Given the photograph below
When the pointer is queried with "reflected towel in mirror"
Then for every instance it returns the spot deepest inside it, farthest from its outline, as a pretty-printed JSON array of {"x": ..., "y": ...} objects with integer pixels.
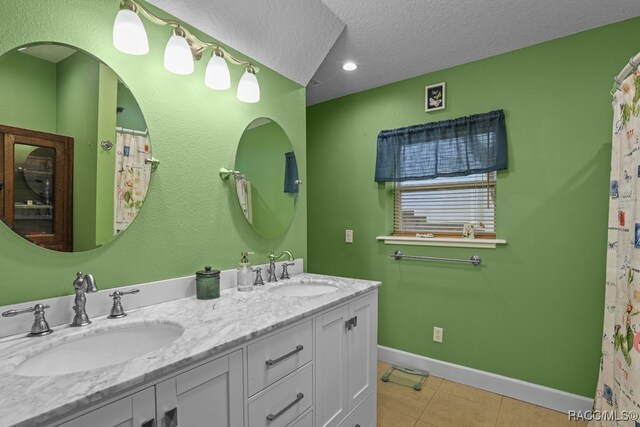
[{"x": 290, "y": 173}]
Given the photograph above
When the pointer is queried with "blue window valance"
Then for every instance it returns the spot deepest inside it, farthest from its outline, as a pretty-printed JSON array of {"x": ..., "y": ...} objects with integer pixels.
[{"x": 463, "y": 146}]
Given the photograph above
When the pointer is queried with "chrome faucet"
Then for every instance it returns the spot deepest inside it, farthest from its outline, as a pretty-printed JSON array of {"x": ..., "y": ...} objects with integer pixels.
[
  {"x": 285, "y": 272},
  {"x": 272, "y": 264},
  {"x": 40, "y": 326},
  {"x": 82, "y": 284},
  {"x": 258, "y": 281},
  {"x": 117, "y": 311}
]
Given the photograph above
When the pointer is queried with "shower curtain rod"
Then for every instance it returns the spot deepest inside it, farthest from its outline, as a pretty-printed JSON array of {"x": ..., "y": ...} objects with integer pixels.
[
  {"x": 132, "y": 131},
  {"x": 630, "y": 67}
]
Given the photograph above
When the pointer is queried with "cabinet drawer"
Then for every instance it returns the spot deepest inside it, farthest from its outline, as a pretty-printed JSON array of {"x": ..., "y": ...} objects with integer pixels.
[
  {"x": 284, "y": 402},
  {"x": 363, "y": 416},
  {"x": 272, "y": 358},
  {"x": 304, "y": 421}
]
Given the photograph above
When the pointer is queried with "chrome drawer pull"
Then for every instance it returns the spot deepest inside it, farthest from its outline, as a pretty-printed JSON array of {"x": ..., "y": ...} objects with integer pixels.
[
  {"x": 272, "y": 362},
  {"x": 272, "y": 417}
]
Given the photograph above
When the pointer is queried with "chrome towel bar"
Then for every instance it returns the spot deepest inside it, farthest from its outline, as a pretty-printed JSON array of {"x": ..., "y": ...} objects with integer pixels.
[{"x": 475, "y": 260}]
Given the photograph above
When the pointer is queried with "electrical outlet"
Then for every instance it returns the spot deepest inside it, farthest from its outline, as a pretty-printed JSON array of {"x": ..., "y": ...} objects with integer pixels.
[
  {"x": 437, "y": 334},
  {"x": 348, "y": 236}
]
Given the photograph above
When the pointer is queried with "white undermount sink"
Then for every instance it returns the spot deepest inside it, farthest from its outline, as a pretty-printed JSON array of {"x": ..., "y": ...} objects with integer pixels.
[
  {"x": 99, "y": 349},
  {"x": 304, "y": 289}
]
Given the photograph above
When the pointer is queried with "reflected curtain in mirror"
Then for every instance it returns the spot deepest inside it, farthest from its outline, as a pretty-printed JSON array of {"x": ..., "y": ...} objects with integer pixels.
[{"x": 132, "y": 176}]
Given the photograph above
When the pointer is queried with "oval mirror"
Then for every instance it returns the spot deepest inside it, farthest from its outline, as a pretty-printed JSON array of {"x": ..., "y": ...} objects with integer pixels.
[
  {"x": 266, "y": 177},
  {"x": 74, "y": 148}
]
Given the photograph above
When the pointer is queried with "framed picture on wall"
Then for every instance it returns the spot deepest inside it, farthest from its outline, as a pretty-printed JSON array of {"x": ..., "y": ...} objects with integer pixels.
[{"x": 434, "y": 97}]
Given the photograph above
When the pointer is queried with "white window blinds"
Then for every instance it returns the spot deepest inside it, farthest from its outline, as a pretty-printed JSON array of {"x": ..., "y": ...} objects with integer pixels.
[{"x": 442, "y": 206}]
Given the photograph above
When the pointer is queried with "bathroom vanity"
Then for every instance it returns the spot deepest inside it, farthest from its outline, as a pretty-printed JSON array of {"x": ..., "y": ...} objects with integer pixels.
[{"x": 300, "y": 352}]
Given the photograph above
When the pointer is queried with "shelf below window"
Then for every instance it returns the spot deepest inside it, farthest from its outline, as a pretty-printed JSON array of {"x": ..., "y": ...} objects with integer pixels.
[{"x": 452, "y": 242}]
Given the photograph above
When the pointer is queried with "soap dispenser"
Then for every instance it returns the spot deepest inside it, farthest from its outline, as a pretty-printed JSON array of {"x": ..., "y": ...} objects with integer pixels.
[{"x": 245, "y": 274}]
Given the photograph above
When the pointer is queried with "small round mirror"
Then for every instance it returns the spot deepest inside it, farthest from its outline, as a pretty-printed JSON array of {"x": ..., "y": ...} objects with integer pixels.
[
  {"x": 267, "y": 178},
  {"x": 74, "y": 148}
]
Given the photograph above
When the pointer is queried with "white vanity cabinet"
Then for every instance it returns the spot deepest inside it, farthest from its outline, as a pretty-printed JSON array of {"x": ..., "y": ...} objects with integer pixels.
[
  {"x": 319, "y": 371},
  {"x": 345, "y": 359},
  {"x": 208, "y": 395},
  {"x": 138, "y": 410}
]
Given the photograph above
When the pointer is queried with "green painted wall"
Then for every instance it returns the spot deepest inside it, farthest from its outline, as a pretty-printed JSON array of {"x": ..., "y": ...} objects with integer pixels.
[
  {"x": 77, "y": 113},
  {"x": 27, "y": 92},
  {"x": 534, "y": 309},
  {"x": 191, "y": 217},
  {"x": 131, "y": 117},
  {"x": 105, "y": 160},
  {"x": 260, "y": 158}
]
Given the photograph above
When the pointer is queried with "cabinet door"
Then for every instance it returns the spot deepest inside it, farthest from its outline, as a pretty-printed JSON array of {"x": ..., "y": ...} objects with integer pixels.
[
  {"x": 209, "y": 395},
  {"x": 137, "y": 410},
  {"x": 331, "y": 367},
  {"x": 363, "y": 416},
  {"x": 362, "y": 348}
]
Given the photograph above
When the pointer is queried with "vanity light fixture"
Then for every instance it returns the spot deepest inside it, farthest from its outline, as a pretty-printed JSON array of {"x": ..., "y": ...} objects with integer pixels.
[
  {"x": 248, "y": 88},
  {"x": 217, "y": 75},
  {"x": 349, "y": 66},
  {"x": 129, "y": 35},
  {"x": 183, "y": 48},
  {"x": 177, "y": 55}
]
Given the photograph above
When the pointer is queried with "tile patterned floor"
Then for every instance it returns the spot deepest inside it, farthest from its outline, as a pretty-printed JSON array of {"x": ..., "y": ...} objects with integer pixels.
[{"x": 443, "y": 403}]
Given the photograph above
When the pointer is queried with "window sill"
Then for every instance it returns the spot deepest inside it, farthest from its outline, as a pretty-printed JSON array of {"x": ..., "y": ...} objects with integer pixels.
[{"x": 451, "y": 242}]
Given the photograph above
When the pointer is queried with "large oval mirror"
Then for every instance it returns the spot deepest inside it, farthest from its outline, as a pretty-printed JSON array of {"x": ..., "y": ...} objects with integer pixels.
[
  {"x": 74, "y": 149},
  {"x": 267, "y": 178}
]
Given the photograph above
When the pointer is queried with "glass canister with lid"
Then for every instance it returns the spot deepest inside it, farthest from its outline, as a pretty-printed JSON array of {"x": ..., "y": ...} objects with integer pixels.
[{"x": 208, "y": 283}]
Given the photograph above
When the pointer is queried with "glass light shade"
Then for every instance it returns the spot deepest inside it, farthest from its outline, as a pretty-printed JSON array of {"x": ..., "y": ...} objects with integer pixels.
[
  {"x": 177, "y": 56},
  {"x": 129, "y": 35},
  {"x": 217, "y": 75},
  {"x": 248, "y": 88}
]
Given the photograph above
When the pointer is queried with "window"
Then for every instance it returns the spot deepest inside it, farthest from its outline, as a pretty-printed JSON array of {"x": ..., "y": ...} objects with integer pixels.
[
  {"x": 442, "y": 206},
  {"x": 445, "y": 176}
]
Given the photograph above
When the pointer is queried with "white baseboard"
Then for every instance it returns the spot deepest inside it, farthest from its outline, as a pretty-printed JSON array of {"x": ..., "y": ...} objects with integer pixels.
[{"x": 528, "y": 392}]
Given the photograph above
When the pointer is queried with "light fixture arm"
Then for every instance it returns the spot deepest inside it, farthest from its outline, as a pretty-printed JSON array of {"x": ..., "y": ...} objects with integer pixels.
[{"x": 197, "y": 45}]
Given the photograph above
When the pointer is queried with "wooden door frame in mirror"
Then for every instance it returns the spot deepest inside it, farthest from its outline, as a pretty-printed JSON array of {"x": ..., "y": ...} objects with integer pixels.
[{"x": 61, "y": 239}]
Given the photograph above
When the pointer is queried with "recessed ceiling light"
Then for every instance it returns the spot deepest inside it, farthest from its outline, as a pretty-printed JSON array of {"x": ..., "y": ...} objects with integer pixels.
[{"x": 349, "y": 66}]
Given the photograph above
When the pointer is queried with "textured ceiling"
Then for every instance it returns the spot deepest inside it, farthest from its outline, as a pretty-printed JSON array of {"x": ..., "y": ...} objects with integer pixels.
[
  {"x": 395, "y": 40},
  {"x": 390, "y": 40},
  {"x": 291, "y": 37},
  {"x": 49, "y": 52}
]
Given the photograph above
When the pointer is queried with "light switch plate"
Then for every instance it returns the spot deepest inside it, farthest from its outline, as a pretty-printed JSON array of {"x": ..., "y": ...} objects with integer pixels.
[
  {"x": 438, "y": 334},
  {"x": 348, "y": 236}
]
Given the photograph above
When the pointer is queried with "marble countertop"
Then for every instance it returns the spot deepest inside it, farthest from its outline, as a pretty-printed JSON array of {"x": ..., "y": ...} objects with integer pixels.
[{"x": 210, "y": 327}]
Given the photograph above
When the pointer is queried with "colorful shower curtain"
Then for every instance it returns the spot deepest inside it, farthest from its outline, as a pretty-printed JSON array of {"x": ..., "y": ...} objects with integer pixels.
[
  {"x": 243, "y": 189},
  {"x": 618, "y": 391},
  {"x": 132, "y": 177}
]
